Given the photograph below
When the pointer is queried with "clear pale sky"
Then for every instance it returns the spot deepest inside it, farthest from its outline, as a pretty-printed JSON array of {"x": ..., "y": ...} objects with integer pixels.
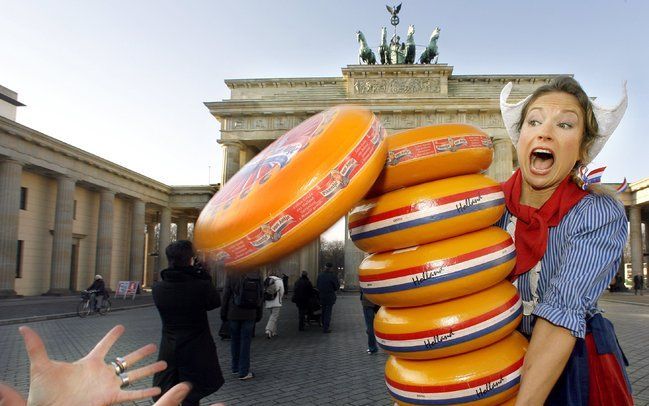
[{"x": 126, "y": 80}]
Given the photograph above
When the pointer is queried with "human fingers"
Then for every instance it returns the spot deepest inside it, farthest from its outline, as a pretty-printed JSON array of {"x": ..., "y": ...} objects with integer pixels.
[
  {"x": 35, "y": 348},
  {"x": 129, "y": 360},
  {"x": 103, "y": 346},
  {"x": 130, "y": 395},
  {"x": 174, "y": 395},
  {"x": 10, "y": 397},
  {"x": 145, "y": 371}
]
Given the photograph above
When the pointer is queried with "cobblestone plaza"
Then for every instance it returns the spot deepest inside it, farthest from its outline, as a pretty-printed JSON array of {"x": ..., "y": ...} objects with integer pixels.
[{"x": 309, "y": 368}]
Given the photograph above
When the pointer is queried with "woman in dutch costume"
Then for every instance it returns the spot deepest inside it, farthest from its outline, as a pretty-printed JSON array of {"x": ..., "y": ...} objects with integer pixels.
[{"x": 569, "y": 235}]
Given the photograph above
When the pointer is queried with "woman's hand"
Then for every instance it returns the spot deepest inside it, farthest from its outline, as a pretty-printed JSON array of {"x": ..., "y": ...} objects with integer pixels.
[
  {"x": 545, "y": 360},
  {"x": 89, "y": 381}
]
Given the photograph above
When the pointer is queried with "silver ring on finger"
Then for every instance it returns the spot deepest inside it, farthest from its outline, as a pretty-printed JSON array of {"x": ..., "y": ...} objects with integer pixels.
[
  {"x": 125, "y": 380},
  {"x": 118, "y": 369},
  {"x": 121, "y": 362}
]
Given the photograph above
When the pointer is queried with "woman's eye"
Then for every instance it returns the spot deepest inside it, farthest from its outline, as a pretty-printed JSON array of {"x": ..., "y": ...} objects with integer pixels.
[
  {"x": 565, "y": 126},
  {"x": 533, "y": 122}
]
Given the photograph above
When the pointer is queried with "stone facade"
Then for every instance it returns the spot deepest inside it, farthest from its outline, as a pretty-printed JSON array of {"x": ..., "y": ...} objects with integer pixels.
[{"x": 67, "y": 215}]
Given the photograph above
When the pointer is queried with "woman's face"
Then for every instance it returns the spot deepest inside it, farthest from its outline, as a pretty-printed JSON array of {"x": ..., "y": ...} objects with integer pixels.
[{"x": 551, "y": 134}]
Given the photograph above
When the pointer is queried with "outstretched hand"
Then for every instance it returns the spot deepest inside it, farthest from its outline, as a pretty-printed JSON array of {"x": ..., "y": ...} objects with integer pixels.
[{"x": 89, "y": 381}]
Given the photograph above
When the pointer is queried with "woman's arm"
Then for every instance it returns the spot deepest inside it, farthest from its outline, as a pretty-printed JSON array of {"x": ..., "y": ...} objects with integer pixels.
[{"x": 545, "y": 360}]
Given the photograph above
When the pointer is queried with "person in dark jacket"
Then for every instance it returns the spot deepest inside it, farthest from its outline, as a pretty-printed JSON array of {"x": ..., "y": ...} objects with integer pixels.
[
  {"x": 327, "y": 286},
  {"x": 98, "y": 290},
  {"x": 302, "y": 291},
  {"x": 241, "y": 320},
  {"x": 183, "y": 297}
]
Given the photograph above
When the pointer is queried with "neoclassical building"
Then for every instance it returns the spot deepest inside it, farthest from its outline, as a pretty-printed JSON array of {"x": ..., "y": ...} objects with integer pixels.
[
  {"x": 66, "y": 214},
  {"x": 403, "y": 96}
]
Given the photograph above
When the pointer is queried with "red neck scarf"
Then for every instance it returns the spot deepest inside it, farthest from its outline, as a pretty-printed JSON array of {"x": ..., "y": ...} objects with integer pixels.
[{"x": 532, "y": 224}]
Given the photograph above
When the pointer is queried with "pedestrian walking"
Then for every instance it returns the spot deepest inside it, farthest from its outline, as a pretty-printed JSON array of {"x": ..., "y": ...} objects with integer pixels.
[
  {"x": 273, "y": 295},
  {"x": 369, "y": 310},
  {"x": 183, "y": 297},
  {"x": 302, "y": 291},
  {"x": 285, "y": 283},
  {"x": 638, "y": 284},
  {"x": 242, "y": 308},
  {"x": 327, "y": 286}
]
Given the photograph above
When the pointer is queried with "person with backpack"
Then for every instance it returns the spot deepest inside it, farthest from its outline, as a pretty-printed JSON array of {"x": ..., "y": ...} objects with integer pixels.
[
  {"x": 242, "y": 308},
  {"x": 273, "y": 295}
]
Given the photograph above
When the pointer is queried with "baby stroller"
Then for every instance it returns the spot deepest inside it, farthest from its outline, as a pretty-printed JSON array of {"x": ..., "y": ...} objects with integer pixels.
[{"x": 314, "y": 310}]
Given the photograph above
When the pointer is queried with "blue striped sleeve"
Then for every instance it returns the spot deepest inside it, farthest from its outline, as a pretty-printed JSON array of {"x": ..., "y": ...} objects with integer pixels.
[{"x": 589, "y": 257}]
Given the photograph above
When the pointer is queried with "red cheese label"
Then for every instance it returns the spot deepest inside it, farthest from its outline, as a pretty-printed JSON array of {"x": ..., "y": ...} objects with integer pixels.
[
  {"x": 309, "y": 203},
  {"x": 428, "y": 148}
]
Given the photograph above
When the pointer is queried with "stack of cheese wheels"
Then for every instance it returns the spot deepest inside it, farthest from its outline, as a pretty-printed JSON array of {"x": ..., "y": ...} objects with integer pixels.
[
  {"x": 438, "y": 267},
  {"x": 293, "y": 190}
]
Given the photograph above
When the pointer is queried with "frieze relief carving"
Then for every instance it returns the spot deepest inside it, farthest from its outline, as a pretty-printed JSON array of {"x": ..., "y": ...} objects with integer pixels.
[
  {"x": 474, "y": 119},
  {"x": 397, "y": 86},
  {"x": 428, "y": 119},
  {"x": 493, "y": 120}
]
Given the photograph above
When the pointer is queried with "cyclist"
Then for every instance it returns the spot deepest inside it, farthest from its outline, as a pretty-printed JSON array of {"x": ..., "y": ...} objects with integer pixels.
[{"x": 98, "y": 288}]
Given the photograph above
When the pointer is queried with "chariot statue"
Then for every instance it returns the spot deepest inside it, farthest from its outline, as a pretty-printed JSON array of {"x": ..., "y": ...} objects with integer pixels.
[{"x": 395, "y": 51}]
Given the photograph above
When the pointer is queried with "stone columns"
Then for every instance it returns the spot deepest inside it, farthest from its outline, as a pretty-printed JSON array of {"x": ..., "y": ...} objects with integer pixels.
[
  {"x": 309, "y": 260},
  {"x": 151, "y": 247},
  {"x": 232, "y": 158},
  {"x": 635, "y": 229},
  {"x": 62, "y": 241},
  {"x": 165, "y": 236},
  {"x": 645, "y": 250},
  {"x": 136, "y": 269},
  {"x": 502, "y": 165},
  {"x": 105, "y": 235},
  {"x": 181, "y": 228},
  {"x": 10, "y": 174},
  {"x": 353, "y": 258}
]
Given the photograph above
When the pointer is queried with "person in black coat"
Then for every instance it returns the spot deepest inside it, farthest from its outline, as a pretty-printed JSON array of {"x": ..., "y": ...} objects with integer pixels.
[
  {"x": 183, "y": 297},
  {"x": 302, "y": 292},
  {"x": 327, "y": 286}
]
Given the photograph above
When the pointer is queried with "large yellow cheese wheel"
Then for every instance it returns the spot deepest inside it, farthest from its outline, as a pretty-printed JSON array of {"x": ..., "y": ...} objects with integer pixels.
[
  {"x": 294, "y": 189},
  {"x": 438, "y": 271},
  {"x": 425, "y": 213},
  {"x": 488, "y": 376},
  {"x": 433, "y": 152},
  {"x": 452, "y": 327}
]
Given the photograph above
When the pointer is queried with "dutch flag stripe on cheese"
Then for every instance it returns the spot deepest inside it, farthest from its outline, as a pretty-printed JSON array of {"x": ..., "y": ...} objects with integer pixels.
[
  {"x": 413, "y": 216},
  {"x": 429, "y": 274},
  {"x": 452, "y": 335},
  {"x": 468, "y": 391}
]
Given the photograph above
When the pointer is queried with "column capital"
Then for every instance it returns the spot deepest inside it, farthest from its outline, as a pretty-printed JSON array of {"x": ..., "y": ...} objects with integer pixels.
[
  {"x": 11, "y": 160},
  {"x": 232, "y": 143}
]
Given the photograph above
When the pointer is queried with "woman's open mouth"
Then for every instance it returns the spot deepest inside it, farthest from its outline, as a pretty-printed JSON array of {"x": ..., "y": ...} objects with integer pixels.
[{"x": 541, "y": 161}]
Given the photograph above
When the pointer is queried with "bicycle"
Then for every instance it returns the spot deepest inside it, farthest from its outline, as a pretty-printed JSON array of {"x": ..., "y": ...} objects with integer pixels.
[{"x": 85, "y": 308}]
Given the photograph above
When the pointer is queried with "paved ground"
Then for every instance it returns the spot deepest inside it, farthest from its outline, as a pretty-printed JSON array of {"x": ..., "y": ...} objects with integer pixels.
[{"x": 309, "y": 368}]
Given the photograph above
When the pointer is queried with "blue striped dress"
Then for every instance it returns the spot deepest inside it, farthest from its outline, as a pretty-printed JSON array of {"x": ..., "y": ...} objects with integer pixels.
[{"x": 582, "y": 256}]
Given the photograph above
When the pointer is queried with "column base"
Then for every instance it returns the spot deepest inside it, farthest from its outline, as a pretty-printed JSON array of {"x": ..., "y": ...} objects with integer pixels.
[
  {"x": 8, "y": 294},
  {"x": 59, "y": 292}
]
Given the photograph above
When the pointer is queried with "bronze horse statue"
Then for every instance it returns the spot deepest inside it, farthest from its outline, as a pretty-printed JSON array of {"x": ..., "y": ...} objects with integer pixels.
[
  {"x": 365, "y": 54},
  {"x": 431, "y": 51}
]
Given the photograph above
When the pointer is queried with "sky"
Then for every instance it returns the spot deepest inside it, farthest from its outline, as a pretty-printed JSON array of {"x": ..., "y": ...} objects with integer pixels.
[{"x": 126, "y": 80}]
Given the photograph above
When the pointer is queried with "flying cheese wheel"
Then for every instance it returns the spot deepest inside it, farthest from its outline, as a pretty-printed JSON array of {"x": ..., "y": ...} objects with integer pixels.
[
  {"x": 488, "y": 376},
  {"x": 425, "y": 213},
  {"x": 452, "y": 327},
  {"x": 433, "y": 152},
  {"x": 293, "y": 190},
  {"x": 438, "y": 271}
]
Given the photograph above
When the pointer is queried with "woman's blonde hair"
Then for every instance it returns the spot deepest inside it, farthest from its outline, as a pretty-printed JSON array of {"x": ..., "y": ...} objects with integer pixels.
[{"x": 566, "y": 84}]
